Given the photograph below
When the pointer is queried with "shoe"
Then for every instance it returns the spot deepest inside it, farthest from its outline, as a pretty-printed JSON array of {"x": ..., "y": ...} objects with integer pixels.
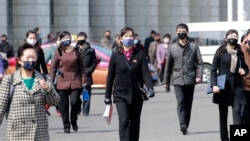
[
  {"x": 58, "y": 114},
  {"x": 66, "y": 130},
  {"x": 85, "y": 114},
  {"x": 75, "y": 128},
  {"x": 184, "y": 129}
]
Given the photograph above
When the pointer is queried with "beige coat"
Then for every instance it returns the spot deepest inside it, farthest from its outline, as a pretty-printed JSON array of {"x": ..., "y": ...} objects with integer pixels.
[{"x": 27, "y": 119}]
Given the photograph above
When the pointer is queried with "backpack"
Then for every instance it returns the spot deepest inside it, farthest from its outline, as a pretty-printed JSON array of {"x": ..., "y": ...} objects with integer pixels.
[{"x": 12, "y": 91}]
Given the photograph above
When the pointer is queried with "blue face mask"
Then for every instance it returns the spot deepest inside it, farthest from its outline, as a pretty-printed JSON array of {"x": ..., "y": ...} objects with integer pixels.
[
  {"x": 29, "y": 65},
  {"x": 136, "y": 41},
  {"x": 128, "y": 42},
  {"x": 65, "y": 43}
]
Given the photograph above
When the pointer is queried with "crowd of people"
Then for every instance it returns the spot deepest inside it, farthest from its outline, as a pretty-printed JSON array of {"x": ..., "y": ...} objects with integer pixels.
[{"x": 178, "y": 62}]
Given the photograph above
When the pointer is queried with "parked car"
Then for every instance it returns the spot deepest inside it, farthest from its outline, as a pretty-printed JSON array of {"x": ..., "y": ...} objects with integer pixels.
[{"x": 101, "y": 71}]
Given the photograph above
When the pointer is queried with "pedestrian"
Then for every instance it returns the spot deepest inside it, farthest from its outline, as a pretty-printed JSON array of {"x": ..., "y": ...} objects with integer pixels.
[
  {"x": 127, "y": 68},
  {"x": 49, "y": 53},
  {"x": 153, "y": 49},
  {"x": 6, "y": 47},
  {"x": 148, "y": 41},
  {"x": 68, "y": 64},
  {"x": 228, "y": 60},
  {"x": 50, "y": 38},
  {"x": 161, "y": 54},
  {"x": 31, "y": 38},
  {"x": 245, "y": 47},
  {"x": 107, "y": 41},
  {"x": 89, "y": 62},
  {"x": 184, "y": 63},
  {"x": 27, "y": 120}
]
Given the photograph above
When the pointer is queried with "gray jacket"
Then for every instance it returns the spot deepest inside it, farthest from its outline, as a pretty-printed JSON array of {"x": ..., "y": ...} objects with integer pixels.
[{"x": 184, "y": 63}]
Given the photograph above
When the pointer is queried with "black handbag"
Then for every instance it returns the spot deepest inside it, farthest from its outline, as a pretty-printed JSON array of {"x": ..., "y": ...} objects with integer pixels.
[{"x": 144, "y": 92}]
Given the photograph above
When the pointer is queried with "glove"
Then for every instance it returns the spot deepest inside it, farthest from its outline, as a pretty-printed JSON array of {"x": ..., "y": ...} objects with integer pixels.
[
  {"x": 151, "y": 93},
  {"x": 107, "y": 101}
]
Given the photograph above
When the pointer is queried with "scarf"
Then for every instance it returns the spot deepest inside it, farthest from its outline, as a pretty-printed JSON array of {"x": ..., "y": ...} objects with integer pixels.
[
  {"x": 128, "y": 54},
  {"x": 234, "y": 58}
]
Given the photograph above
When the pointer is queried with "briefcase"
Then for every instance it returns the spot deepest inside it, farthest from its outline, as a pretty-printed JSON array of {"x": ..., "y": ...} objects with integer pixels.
[{"x": 221, "y": 82}]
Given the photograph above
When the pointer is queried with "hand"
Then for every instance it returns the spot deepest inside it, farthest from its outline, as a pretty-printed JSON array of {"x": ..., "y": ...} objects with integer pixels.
[
  {"x": 44, "y": 84},
  {"x": 241, "y": 71},
  {"x": 198, "y": 80},
  {"x": 1, "y": 76},
  {"x": 216, "y": 89},
  {"x": 166, "y": 86},
  {"x": 151, "y": 93},
  {"x": 107, "y": 101}
]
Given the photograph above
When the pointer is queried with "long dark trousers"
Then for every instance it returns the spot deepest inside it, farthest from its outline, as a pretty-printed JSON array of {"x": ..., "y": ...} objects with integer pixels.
[
  {"x": 184, "y": 95},
  {"x": 129, "y": 120},
  {"x": 223, "y": 112}
]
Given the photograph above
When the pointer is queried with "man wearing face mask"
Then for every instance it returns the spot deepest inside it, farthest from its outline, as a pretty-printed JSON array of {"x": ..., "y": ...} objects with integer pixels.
[
  {"x": 107, "y": 40},
  {"x": 89, "y": 62},
  {"x": 5, "y": 47},
  {"x": 184, "y": 63}
]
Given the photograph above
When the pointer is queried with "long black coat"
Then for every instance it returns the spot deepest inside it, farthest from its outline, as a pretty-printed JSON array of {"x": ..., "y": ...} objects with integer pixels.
[
  {"x": 234, "y": 84},
  {"x": 89, "y": 62},
  {"x": 120, "y": 80}
]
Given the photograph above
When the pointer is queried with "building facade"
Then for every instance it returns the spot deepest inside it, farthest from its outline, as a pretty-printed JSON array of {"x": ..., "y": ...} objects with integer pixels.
[{"x": 95, "y": 16}]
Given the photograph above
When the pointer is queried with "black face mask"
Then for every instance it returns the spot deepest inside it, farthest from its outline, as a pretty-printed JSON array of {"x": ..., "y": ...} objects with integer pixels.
[
  {"x": 81, "y": 42},
  {"x": 3, "y": 41},
  {"x": 232, "y": 41},
  {"x": 182, "y": 35}
]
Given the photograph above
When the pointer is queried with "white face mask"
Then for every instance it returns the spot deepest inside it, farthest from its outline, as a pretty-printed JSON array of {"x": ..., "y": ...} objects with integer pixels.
[{"x": 31, "y": 41}]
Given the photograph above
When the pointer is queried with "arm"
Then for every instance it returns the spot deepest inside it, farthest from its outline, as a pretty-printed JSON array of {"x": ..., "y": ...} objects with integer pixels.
[
  {"x": 43, "y": 64},
  {"x": 47, "y": 54},
  {"x": 93, "y": 60},
  {"x": 81, "y": 67},
  {"x": 11, "y": 52},
  {"x": 52, "y": 97},
  {"x": 215, "y": 66},
  {"x": 145, "y": 73},
  {"x": 168, "y": 67},
  {"x": 158, "y": 56},
  {"x": 199, "y": 63},
  {"x": 4, "y": 96},
  {"x": 54, "y": 66},
  {"x": 110, "y": 78}
]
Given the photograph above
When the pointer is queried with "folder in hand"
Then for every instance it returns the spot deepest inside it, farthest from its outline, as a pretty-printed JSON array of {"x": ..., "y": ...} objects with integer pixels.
[
  {"x": 221, "y": 81},
  {"x": 108, "y": 113}
]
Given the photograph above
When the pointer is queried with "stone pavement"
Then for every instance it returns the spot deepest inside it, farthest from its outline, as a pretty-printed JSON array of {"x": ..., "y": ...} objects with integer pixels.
[{"x": 159, "y": 121}]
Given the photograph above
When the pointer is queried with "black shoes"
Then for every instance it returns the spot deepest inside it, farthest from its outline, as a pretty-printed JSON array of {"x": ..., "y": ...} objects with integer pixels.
[
  {"x": 184, "y": 129},
  {"x": 66, "y": 130},
  {"x": 75, "y": 128}
]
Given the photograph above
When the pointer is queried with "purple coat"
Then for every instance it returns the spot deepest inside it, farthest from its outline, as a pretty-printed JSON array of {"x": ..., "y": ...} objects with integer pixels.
[
  {"x": 161, "y": 54},
  {"x": 1, "y": 65}
]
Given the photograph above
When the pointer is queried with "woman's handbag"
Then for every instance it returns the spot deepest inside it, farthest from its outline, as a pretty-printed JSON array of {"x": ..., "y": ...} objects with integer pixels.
[{"x": 144, "y": 91}]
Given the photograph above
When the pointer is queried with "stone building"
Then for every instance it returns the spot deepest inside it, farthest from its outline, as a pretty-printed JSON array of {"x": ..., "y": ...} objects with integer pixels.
[{"x": 95, "y": 16}]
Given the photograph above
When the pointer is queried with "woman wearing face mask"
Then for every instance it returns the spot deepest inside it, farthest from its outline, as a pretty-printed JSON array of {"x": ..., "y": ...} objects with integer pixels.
[
  {"x": 228, "y": 60},
  {"x": 161, "y": 55},
  {"x": 70, "y": 80},
  {"x": 27, "y": 118},
  {"x": 31, "y": 38},
  {"x": 123, "y": 81}
]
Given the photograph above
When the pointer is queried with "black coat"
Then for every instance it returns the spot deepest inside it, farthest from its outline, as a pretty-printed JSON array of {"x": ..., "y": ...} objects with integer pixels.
[
  {"x": 8, "y": 49},
  {"x": 120, "y": 80},
  {"x": 89, "y": 61},
  {"x": 234, "y": 85}
]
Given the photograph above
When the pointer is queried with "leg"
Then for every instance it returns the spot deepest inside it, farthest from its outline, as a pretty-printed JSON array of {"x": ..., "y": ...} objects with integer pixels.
[
  {"x": 64, "y": 109},
  {"x": 188, "y": 101},
  {"x": 223, "y": 112},
  {"x": 136, "y": 109},
  {"x": 236, "y": 111},
  {"x": 179, "y": 93},
  {"x": 123, "y": 114},
  {"x": 86, "y": 104},
  {"x": 74, "y": 97},
  {"x": 247, "y": 107}
]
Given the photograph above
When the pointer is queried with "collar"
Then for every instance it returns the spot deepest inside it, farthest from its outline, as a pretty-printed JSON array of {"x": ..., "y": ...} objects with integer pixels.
[{"x": 128, "y": 52}]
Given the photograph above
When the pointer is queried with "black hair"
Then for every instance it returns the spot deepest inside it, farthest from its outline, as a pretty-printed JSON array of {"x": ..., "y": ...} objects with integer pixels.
[
  {"x": 182, "y": 25},
  {"x": 36, "y": 29},
  {"x": 49, "y": 35},
  {"x": 136, "y": 34},
  {"x": 152, "y": 32},
  {"x": 167, "y": 35},
  {"x": 123, "y": 32},
  {"x": 243, "y": 38},
  {"x": 107, "y": 31},
  {"x": 22, "y": 48},
  {"x": 61, "y": 35},
  {"x": 82, "y": 34},
  {"x": 4, "y": 36},
  {"x": 222, "y": 48}
]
